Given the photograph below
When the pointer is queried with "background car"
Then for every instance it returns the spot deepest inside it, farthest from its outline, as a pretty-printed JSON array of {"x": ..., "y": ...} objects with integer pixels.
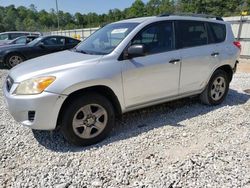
[
  {"x": 9, "y": 36},
  {"x": 21, "y": 40},
  {"x": 15, "y": 54}
]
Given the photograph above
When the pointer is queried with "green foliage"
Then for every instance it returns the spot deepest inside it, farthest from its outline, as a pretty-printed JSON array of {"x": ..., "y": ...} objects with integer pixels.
[
  {"x": 215, "y": 7},
  {"x": 22, "y": 18},
  {"x": 137, "y": 9}
]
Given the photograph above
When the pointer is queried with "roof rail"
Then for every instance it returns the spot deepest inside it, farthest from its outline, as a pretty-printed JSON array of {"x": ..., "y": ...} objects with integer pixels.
[{"x": 192, "y": 15}]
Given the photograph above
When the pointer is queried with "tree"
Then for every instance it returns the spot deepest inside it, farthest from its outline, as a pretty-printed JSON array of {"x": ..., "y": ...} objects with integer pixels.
[
  {"x": 137, "y": 9},
  {"x": 22, "y": 18},
  {"x": 215, "y": 7}
]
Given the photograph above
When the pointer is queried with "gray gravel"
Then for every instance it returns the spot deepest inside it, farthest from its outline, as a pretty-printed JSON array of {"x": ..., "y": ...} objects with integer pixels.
[{"x": 178, "y": 144}]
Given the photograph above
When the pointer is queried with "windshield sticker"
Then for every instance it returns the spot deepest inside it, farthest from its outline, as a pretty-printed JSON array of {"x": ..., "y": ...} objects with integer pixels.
[{"x": 118, "y": 31}]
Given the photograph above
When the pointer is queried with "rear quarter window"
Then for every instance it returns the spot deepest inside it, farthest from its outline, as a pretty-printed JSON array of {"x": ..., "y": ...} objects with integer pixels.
[
  {"x": 218, "y": 32},
  {"x": 72, "y": 41}
]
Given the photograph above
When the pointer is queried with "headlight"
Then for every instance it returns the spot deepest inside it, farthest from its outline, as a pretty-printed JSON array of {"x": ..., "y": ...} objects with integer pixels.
[{"x": 34, "y": 86}]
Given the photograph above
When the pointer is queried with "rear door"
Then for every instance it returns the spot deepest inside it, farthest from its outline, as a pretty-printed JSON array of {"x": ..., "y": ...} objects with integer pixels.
[{"x": 197, "y": 54}]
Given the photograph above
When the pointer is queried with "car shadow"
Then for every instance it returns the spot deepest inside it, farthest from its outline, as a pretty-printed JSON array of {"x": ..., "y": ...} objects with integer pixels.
[
  {"x": 135, "y": 123},
  {"x": 3, "y": 67}
]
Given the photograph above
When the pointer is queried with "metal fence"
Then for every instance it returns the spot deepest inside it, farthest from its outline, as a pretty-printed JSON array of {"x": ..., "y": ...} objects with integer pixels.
[
  {"x": 80, "y": 34},
  {"x": 241, "y": 29},
  {"x": 240, "y": 26}
]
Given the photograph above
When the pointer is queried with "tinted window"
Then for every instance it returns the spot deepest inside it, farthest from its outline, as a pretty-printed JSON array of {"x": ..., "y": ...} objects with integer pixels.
[
  {"x": 30, "y": 38},
  {"x": 156, "y": 38},
  {"x": 191, "y": 33},
  {"x": 51, "y": 41},
  {"x": 16, "y": 35},
  {"x": 218, "y": 32},
  {"x": 72, "y": 41}
]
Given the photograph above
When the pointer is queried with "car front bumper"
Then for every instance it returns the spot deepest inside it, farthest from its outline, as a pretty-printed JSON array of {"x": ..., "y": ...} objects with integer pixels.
[{"x": 38, "y": 112}]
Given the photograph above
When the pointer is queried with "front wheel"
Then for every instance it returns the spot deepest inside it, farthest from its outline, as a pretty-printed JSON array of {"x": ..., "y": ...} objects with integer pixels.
[
  {"x": 88, "y": 120},
  {"x": 217, "y": 89},
  {"x": 13, "y": 60}
]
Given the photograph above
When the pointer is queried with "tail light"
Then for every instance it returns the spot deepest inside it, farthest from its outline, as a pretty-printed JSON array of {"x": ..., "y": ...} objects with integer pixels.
[{"x": 237, "y": 44}]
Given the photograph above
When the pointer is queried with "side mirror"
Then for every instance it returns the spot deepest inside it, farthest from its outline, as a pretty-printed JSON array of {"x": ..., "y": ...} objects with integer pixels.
[{"x": 137, "y": 50}]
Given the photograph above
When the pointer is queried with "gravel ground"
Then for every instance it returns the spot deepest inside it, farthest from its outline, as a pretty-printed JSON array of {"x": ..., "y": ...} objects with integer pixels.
[{"x": 178, "y": 144}]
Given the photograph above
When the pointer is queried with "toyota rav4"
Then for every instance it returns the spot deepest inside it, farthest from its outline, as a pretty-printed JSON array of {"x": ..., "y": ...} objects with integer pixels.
[{"x": 123, "y": 66}]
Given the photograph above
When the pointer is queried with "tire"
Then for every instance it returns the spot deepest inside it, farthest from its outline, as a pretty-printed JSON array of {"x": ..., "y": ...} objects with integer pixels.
[
  {"x": 217, "y": 89},
  {"x": 13, "y": 59},
  {"x": 87, "y": 120}
]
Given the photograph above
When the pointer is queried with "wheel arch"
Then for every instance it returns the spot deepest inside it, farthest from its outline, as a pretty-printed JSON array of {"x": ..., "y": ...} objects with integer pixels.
[
  {"x": 7, "y": 54},
  {"x": 228, "y": 69},
  {"x": 99, "y": 89}
]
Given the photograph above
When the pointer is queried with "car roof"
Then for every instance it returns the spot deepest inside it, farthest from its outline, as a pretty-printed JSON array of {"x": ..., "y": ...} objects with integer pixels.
[
  {"x": 25, "y": 32},
  {"x": 172, "y": 17}
]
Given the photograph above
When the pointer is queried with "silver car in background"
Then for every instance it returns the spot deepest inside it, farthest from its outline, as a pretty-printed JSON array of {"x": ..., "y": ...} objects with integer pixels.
[
  {"x": 124, "y": 66},
  {"x": 7, "y": 37}
]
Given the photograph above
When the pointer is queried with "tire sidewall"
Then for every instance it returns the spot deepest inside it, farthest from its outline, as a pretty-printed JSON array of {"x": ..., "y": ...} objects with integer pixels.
[
  {"x": 8, "y": 59},
  {"x": 218, "y": 73},
  {"x": 71, "y": 110}
]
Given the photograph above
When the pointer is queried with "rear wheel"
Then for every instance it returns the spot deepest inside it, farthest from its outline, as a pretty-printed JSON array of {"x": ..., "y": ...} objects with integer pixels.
[
  {"x": 13, "y": 59},
  {"x": 88, "y": 120},
  {"x": 217, "y": 89}
]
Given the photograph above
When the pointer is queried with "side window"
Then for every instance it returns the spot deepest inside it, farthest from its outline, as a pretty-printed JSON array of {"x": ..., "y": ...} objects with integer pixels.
[
  {"x": 53, "y": 41},
  {"x": 71, "y": 41},
  {"x": 191, "y": 34},
  {"x": 156, "y": 38},
  {"x": 15, "y": 35},
  {"x": 61, "y": 41},
  {"x": 218, "y": 32}
]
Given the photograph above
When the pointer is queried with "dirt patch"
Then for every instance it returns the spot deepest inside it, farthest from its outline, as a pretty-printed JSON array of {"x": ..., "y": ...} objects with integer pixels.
[{"x": 244, "y": 66}]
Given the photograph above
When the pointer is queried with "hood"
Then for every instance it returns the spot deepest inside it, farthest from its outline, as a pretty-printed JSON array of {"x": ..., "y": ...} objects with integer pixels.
[{"x": 52, "y": 64}]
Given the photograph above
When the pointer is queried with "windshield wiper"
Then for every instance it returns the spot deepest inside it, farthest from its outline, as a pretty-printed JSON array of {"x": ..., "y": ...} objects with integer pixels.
[
  {"x": 82, "y": 51},
  {"x": 79, "y": 51}
]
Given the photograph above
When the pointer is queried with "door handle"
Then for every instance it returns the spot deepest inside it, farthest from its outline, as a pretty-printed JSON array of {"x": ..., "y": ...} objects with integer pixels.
[
  {"x": 174, "y": 61},
  {"x": 215, "y": 54}
]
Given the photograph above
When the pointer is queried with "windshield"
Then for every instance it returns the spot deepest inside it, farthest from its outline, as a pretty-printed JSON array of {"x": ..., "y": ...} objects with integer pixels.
[
  {"x": 106, "y": 39},
  {"x": 35, "y": 41},
  {"x": 20, "y": 40}
]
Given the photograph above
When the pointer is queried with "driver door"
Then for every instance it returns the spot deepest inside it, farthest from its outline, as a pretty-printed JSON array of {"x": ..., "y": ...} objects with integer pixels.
[{"x": 154, "y": 76}]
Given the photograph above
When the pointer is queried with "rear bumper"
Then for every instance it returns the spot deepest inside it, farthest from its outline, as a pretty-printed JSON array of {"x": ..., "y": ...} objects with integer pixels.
[{"x": 235, "y": 66}]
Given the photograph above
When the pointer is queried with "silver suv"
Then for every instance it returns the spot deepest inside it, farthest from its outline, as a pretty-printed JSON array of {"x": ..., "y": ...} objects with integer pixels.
[{"x": 123, "y": 66}]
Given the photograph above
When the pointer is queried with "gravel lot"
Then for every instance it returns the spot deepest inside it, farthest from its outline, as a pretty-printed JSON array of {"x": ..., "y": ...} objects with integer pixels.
[{"x": 178, "y": 144}]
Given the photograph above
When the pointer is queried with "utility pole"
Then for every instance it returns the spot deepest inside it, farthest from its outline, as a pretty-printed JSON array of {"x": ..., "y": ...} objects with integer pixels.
[{"x": 58, "y": 22}]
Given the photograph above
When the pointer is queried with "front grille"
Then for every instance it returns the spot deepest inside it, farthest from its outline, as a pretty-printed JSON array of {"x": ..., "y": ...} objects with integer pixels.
[
  {"x": 31, "y": 115},
  {"x": 9, "y": 83}
]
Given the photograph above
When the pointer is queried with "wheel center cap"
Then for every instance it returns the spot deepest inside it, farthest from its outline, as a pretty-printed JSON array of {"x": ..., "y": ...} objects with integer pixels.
[
  {"x": 217, "y": 89},
  {"x": 90, "y": 121}
]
